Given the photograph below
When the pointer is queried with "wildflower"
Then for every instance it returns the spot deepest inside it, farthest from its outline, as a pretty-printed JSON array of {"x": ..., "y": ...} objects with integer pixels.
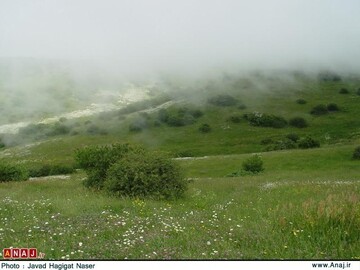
[
  {"x": 80, "y": 244},
  {"x": 208, "y": 243}
]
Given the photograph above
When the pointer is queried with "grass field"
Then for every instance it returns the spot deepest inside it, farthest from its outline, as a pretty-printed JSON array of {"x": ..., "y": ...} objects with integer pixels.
[{"x": 304, "y": 205}]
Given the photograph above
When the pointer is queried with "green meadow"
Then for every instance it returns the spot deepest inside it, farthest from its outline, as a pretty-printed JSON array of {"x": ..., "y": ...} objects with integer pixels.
[{"x": 305, "y": 204}]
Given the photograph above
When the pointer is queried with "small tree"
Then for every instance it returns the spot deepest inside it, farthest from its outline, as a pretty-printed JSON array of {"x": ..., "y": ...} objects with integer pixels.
[
  {"x": 146, "y": 175},
  {"x": 254, "y": 164}
]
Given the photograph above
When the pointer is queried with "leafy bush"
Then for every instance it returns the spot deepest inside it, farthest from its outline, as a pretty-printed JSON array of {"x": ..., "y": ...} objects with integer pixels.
[
  {"x": 138, "y": 125},
  {"x": 283, "y": 145},
  {"x": 344, "y": 91},
  {"x": 266, "y": 120},
  {"x": 358, "y": 92},
  {"x": 235, "y": 119},
  {"x": 223, "y": 100},
  {"x": 298, "y": 122},
  {"x": 253, "y": 164},
  {"x": 96, "y": 160},
  {"x": 332, "y": 107},
  {"x": 329, "y": 76},
  {"x": 58, "y": 129},
  {"x": 301, "y": 101},
  {"x": 293, "y": 136},
  {"x": 205, "y": 128},
  {"x": 146, "y": 175},
  {"x": 2, "y": 144},
  {"x": 308, "y": 142},
  {"x": 266, "y": 141},
  {"x": 179, "y": 117},
  {"x": 10, "y": 172},
  {"x": 50, "y": 169},
  {"x": 320, "y": 109},
  {"x": 356, "y": 154}
]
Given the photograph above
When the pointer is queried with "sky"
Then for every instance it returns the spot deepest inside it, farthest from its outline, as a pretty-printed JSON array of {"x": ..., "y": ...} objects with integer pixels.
[{"x": 187, "y": 35}]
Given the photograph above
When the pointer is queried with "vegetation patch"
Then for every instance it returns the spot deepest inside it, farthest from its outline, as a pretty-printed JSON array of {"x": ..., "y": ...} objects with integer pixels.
[
  {"x": 223, "y": 100},
  {"x": 356, "y": 153},
  {"x": 12, "y": 172},
  {"x": 265, "y": 120},
  {"x": 308, "y": 142},
  {"x": 298, "y": 122}
]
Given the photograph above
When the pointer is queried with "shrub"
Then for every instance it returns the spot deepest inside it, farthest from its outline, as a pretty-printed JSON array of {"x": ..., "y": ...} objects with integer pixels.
[
  {"x": 50, "y": 169},
  {"x": 2, "y": 144},
  {"x": 10, "y": 172},
  {"x": 163, "y": 115},
  {"x": 358, "y": 92},
  {"x": 283, "y": 145},
  {"x": 266, "y": 141},
  {"x": 301, "y": 101},
  {"x": 235, "y": 119},
  {"x": 329, "y": 76},
  {"x": 344, "y": 91},
  {"x": 320, "y": 109},
  {"x": 223, "y": 100},
  {"x": 332, "y": 107},
  {"x": 242, "y": 107},
  {"x": 96, "y": 160},
  {"x": 308, "y": 142},
  {"x": 146, "y": 175},
  {"x": 205, "y": 128},
  {"x": 266, "y": 120},
  {"x": 138, "y": 125},
  {"x": 59, "y": 129},
  {"x": 298, "y": 122},
  {"x": 293, "y": 136},
  {"x": 356, "y": 154},
  {"x": 95, "y": 130},
  {"x": 253, "y": 164}
]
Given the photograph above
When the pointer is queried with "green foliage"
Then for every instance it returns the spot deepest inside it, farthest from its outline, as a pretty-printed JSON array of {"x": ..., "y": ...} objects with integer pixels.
[
  {"x": 358, "y": 92},
  {"x": 235, "y": 118},
  {"x": 50, "y": 169},
  {"x": 242, "y": 107},
  {"x": 96, "y": 160},
  {"x": 328, "y": 76},
  {"x": 319, "y": 109},
  {"x": 253, "y": 164},
  {"x": 146, "y": 175},
  {"x": 301, "y": 101},
  {"x": 283, "y": 144},
  {"x": 332, "y": 107},
  {"x": 95, "y": 130},
  {"x": 9, "y": 172},
  {"x": 138, "y": 125},
  {"x": 356, "y": 153},
  {"x": 298, "y": 122},
  {"x": 205, "y": 128},
  {"x": 2, "y": 144},
  {"x": 344, "y": 91},
  {"x": 293, "y": 136},
  {"x": 223, "y": 100},
  {"x": 266, "y": 141},
  {"x": 308, "y": 142},
  {"x": 265, "y": 120},
  {"x": 178, "y": 117}
]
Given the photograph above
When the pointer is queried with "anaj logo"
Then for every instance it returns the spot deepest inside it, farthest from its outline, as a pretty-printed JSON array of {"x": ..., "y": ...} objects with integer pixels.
[{"x": 22, "y": 253}]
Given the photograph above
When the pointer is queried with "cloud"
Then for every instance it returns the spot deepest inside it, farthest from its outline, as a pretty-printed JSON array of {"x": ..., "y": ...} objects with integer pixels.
[{"x": 161, "y": 35}]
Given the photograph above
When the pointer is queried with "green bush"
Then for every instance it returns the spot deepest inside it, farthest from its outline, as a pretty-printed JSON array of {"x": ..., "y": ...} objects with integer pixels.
[
  {"x": 344, "y": 91},
  {"x": 308, "y": 142},
  {"x": 266, "y": 141},
  {"x": 10, "y": 172},
  {"x": 146, "y": 175},
  {"x": 293, "y": 136},
  {"x": 332, "y": 107},
  {"x": 265, "y": 120},
  {"x": 138, "y": 125},
  {"x": 96, "y": 160},
  {"x": 320, "y": 109},
  {"x": 205, "y": 128},
  {"x": 2, "y": 144},
  {"x": 358, "y": 92},
  {"x": 298, "y": 122},
  {"x": 223, "y": 100},
  {"x": 235, "y": 119},
  {"x": 242, "y": 107},
  {"x": 356, "y": 154},
  {"x": 50, "y": 169},
  {"x": 253, "y": 164},
  {"x": 283, "y": 145},
  {"x": 301, "y": 101}
]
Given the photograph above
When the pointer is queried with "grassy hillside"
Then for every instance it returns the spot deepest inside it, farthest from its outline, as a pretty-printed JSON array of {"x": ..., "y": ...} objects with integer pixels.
[{"x": 304, "y": 205}]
